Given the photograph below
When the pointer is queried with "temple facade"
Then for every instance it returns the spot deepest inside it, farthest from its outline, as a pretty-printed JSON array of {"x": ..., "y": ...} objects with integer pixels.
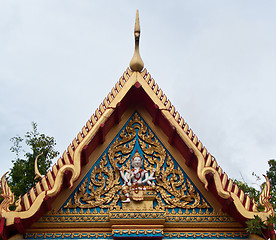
[{"x": 135, "y": 171}]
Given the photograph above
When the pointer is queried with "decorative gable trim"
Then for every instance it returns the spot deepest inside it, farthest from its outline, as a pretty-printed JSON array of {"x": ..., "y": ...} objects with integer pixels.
[
  {"x": 68, "y": 167},
  {"x": 207, "y": 165}
]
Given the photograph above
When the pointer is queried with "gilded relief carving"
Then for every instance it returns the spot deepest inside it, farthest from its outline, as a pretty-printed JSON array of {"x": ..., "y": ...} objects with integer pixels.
[{"x": 136, "y": 162}]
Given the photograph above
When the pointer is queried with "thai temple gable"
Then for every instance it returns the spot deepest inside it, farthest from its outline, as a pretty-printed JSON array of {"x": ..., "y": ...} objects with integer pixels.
[
  {"x": 169, "y": 189},
  {"x": 135, "y": 170}
]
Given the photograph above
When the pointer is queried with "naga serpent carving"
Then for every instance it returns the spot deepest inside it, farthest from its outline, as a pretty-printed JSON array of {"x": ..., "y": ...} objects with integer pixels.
[{"x": 6, "y": 194}]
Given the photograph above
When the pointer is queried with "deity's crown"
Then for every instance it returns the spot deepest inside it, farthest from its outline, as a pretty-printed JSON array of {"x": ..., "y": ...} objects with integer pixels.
[{"x": 136, "y": 154}]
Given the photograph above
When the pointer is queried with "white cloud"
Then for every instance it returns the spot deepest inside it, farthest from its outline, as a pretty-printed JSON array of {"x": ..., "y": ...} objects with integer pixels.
[{"x": 215, "y": 61}]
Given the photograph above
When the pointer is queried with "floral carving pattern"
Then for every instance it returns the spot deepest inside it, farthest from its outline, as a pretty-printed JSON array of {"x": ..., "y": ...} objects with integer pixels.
[{"x": 102, "y": 188}]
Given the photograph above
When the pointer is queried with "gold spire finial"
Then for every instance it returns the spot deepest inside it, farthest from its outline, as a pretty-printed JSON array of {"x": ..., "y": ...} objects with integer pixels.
[{"x": 136, "y": 63}]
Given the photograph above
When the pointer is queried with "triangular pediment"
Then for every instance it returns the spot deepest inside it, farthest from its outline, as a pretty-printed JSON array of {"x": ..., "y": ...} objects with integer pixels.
[
  {"x": 103, "y": 185},
  {"x": 174, "y": 197},
  {"x": 135, "y": 171},
  {"x": 85, "y": 189}
]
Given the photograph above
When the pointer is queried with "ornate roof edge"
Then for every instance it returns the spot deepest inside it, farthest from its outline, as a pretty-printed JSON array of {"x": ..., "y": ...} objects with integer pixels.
[
  {"x": 207, "y": 164},
  {"x": 68, "y": 167}
]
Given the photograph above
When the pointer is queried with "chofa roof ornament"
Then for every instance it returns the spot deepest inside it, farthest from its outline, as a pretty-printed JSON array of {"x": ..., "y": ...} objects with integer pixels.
[
  {"x": 7, "y": 194},
  {"x": 136, "y": 63},
  {"x": 47, "y": 196},
  {"x": 37, "y": 173}
]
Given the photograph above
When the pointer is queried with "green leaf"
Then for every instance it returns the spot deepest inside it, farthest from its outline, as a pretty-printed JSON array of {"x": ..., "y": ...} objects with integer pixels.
[
  {"x": 21, "y": 176},
  {"x": 255, "y": 226}
]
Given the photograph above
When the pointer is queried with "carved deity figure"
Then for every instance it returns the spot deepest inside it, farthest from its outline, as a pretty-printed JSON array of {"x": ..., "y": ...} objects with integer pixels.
[{"x": 136, "y": 179}]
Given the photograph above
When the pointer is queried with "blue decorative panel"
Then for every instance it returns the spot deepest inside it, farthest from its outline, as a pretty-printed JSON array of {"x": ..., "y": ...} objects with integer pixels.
[
  {"x": 136, "y": 181},
  {"x": 102, "y": 187}
]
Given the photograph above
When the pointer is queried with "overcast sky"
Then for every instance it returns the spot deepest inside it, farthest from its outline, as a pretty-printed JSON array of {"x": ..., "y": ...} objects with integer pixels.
[{"x": 215, "y": 60}]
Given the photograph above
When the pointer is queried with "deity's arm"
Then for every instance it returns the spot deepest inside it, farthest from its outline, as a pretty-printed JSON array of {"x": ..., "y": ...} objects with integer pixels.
[
  {"x": 127, "y": 179},
  {"x": 150, "y": 177},
  {"x": 125, "y": 176},
  {"x": 131, "y": 174},
  {"x": 146, "y": 177}
]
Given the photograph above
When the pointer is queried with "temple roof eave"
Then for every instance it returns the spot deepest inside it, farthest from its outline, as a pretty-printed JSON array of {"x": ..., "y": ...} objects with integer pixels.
[{"x": 164, "y": 114}]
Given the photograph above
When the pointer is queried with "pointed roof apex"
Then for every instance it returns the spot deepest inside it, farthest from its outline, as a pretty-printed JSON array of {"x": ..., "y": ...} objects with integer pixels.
[
  {"x": 137, "y": 25},
  {"x": 136, "y": 63}
]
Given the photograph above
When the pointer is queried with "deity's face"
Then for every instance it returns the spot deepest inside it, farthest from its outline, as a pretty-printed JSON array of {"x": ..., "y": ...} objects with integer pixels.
[{"x": 137, "y": 162}]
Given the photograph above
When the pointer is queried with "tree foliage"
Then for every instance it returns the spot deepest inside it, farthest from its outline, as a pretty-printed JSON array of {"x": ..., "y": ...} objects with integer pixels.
[
  {"x": 256, "y": 225},
  {"x": 21, "y": 176},
  {"x": 255, "y": 193},
  {"x": 252, "y": 192},
  {"x": 271, "y": 174}
]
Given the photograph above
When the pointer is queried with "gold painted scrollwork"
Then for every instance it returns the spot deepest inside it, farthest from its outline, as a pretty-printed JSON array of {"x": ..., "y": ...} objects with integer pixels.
[
  {"x": 104, "y": 183},
  {"x": 102, "y": 187}
]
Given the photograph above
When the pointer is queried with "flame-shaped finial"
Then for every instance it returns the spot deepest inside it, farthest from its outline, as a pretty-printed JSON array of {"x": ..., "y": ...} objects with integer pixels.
[{"x": 136, "y": 63}]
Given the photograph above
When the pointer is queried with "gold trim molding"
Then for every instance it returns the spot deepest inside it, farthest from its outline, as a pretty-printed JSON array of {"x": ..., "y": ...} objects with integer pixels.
[{"x": 71, "y": 158}]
